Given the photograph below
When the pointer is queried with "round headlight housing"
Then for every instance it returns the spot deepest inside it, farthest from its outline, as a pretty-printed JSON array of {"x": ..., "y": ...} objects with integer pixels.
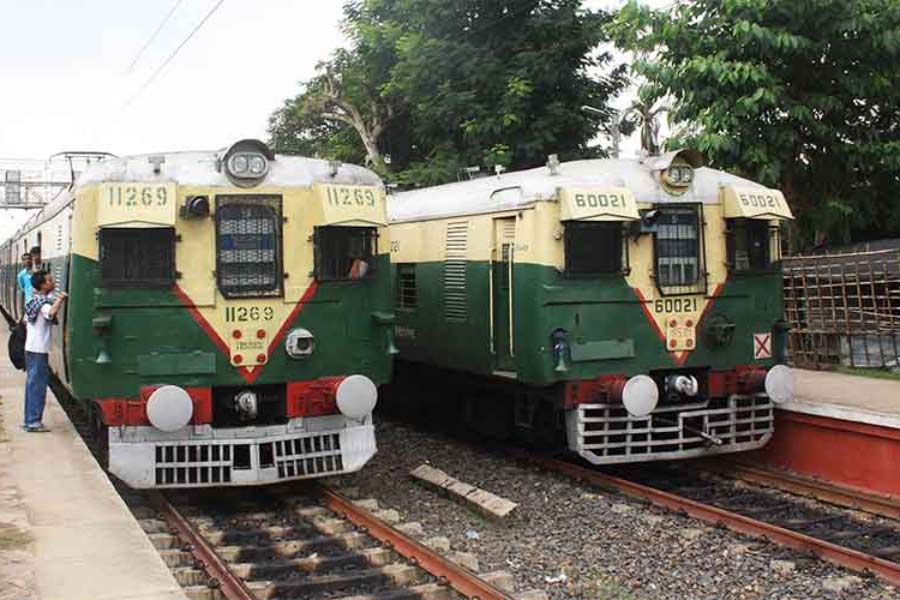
[{"x": 246, "y": 163}]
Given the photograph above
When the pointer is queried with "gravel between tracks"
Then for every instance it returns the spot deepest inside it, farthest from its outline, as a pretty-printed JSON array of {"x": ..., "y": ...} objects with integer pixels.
[{"x": 606, "y": 545}]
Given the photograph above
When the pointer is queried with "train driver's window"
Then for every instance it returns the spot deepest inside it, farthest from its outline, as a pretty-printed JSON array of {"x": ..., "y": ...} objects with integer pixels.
[
  {"x": 594, "y": 248},
  {"x": 752, "y": 244},
  {"x": 137, "y": 257},
  {"x": 678, "y": 249},
  {"x": 345, "y": 253}
]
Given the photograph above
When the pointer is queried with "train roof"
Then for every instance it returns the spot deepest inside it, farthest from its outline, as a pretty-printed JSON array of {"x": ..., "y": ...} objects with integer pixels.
[
  {"x": 521, "y": 188},
  {"x": 200, "y": 169}
]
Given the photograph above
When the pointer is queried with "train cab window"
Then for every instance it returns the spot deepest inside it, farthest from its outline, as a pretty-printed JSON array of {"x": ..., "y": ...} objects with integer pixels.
[
  {"x": 345, "y": 253},
  {"x": 750, "y": 244},
  {"x": 137, "y": 257},
  {"x": 594, "y": 248},
  {"x": 679, "y": 251},
  {"x": 248, "y": 246}
]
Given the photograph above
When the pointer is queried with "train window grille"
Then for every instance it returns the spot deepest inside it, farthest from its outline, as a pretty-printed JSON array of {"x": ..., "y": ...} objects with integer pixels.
[
  {"x": 679, "y": 251},
  {"x": 593, "y": 249},
  {"x": 455, "y": 301},
  {"x": 248, "y": 246},
  {"x": 137, "y": 257},
  {"x": 752, "y": 244},
  {"x": 345, "y": 253},
  {"x": 406, "y": 286}
]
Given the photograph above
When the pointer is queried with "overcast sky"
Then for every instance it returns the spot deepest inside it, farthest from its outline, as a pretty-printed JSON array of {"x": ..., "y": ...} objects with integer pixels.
[{"x": 67, "y": 84}]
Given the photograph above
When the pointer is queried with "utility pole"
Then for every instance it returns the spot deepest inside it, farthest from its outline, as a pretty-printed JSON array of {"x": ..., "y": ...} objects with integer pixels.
[{"x": 613, "y": 130}]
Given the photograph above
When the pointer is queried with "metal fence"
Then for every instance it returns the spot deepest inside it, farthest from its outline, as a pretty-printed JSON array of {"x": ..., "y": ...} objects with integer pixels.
[{"x": 843, "y": 309}]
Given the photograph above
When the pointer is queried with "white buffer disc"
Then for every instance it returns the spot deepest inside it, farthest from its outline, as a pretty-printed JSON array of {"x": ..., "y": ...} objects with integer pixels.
[
  {"x": 169, "y": 408},
  {"x": 780, "y": 384},
  {"x": 356, "y": 396},
  {"x": 640, "y": 395}
]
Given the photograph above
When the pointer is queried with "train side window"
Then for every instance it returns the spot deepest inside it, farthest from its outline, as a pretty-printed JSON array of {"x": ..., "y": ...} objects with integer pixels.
[
  {"x": 143, "y": 257},
  {"x": 407, "y": 297},
  {"x": 345, "y": 253},
  {"x": 750, "y": 244},
  {"x": 594, "y": 248},
  {"x": 678, "y": 249},
  {"x": 248, "y": 246}
]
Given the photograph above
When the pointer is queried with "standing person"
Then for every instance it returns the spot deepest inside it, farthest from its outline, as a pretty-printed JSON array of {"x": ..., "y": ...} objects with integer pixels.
[
  {"x": 36, "y": 263},
  {"x": 40, "y": 315},
  {"x": 24, "y": 277}
]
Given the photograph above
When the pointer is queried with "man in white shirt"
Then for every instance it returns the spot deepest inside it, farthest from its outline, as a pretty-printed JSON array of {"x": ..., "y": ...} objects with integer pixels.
[{"x": 40, "y": 315}]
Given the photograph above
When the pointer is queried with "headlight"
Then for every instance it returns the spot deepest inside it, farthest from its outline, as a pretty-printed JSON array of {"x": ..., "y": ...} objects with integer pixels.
[
  {"x": 674, "y": 174},
  {"x": 247, "y": 165},
  {"x": 257, "y": 165},
  {"x": 687, "y": 174},
  {"x": 238, "y": 165}
]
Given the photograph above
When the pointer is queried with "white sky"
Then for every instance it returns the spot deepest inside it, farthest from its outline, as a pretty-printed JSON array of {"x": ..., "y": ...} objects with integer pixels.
[{"x": 66, "y": 84}]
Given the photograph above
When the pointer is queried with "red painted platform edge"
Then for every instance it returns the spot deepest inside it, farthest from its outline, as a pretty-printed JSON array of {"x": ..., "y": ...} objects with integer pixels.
[{"x": 856, "y": 455}]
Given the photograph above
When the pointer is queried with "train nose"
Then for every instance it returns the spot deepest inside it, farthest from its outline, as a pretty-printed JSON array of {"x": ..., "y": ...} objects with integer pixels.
[{"x": 356, "y": 396}]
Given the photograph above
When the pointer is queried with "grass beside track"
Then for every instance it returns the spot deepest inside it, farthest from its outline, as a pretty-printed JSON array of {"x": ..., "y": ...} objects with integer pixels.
[{"x": 872, "y": 372}]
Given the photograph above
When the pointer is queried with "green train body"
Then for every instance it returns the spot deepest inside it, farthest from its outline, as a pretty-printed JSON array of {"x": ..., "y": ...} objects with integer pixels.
[
  {"x": 229, "y": 313},
  {"x": 632, "y": 308}
]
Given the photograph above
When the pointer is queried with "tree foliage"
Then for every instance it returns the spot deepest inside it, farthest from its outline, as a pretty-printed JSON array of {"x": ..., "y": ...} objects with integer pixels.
[
  {"x": 440, "y": 85},
  {"x": 799, "y": 95}
]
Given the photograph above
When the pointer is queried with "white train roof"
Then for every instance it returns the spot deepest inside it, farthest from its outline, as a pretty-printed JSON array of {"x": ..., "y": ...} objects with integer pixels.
[
  {"x": 522, "y": 188},
  {"x": 199, "y": 168}
]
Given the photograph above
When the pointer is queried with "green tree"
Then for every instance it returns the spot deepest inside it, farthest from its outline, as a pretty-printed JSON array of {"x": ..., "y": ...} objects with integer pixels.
[
  {"x": 799, "y": 95},
  {"x": 460, "y": 83}
]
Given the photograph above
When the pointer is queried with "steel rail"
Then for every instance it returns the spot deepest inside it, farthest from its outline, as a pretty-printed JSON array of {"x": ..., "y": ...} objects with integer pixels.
[
  {"x": 884, "y": 506},
  {"x": 459, "y": 578},
  {"x": 852, "y": 559},
  {"x": 231, "y": 586}
]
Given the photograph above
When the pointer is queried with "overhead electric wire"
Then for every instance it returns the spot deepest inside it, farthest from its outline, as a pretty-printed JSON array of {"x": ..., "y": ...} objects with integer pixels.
[
  {"x": 175, "y": 52},
  {"x": 153, "y": 37}
]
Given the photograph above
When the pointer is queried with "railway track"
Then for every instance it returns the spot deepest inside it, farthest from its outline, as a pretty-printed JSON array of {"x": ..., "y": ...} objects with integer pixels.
[
  {"x": 313, "y": 545},
  {"x": 303, "y": 541},
  {"x": 869, "y": 544}
]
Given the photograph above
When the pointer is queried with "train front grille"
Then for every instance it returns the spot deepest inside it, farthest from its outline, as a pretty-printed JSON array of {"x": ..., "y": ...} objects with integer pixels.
[
  {"x": 215, "y": 462},
  {"x": 607, "y": 434}
]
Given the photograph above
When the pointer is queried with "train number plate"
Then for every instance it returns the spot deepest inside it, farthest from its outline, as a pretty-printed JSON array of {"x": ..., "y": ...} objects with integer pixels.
[
  {"x": 681, "y": 334},
  {"x": 132, "y": 202}
]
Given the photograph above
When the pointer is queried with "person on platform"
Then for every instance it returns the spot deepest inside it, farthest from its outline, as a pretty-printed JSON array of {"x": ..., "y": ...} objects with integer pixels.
[
  {"x": 24, "y": 277},
  {"x": 36, "y": 263},
  {"x": 40, "y": 316}
]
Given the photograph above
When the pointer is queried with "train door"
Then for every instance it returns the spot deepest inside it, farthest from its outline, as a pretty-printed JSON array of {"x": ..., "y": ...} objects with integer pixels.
[{"x": 502, "y": 260}]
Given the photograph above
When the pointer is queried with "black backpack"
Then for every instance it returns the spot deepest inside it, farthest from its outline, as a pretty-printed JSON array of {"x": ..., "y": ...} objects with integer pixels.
[{"x": 16, "y": 345}]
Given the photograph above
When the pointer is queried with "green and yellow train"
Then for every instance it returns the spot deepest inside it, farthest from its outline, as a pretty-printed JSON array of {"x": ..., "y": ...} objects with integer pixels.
[
  {"x": 229, "y": 314},
  {"x": 631, "y": 309}
]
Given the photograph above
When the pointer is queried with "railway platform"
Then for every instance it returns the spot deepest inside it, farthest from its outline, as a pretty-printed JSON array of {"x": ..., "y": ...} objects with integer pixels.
[
  {"x": 843, "y": 429},
  {"x": 65, "y": 534}
]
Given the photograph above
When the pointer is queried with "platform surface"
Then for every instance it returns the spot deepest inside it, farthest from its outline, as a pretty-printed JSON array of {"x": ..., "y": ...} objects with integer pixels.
[
  {"x": 77, "y": 538},
  {"x": 847, "y": 397}
]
